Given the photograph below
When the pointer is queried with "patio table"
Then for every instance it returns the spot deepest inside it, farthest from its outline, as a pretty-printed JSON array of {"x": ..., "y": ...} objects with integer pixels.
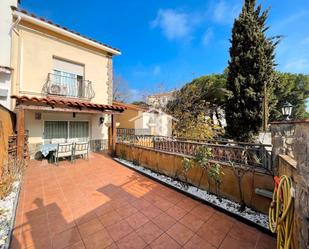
[{"x": 46, "y": 148}]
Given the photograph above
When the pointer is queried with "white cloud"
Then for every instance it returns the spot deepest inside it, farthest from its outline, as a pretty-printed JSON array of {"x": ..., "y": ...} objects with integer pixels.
[
  {"x": 305, "y": 41},
  {"x": 298, "y": 66},
  {"x": 156, "y": 70},
  {"x": 225, "y": 12},
  {"x": 207, "y": 36},
  {"x": 134, "y": 95},
  {"x": 174, "y": 24}
]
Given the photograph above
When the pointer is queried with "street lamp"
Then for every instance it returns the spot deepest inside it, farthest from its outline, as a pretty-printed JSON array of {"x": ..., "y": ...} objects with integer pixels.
[{"x": 287, "y": 110}]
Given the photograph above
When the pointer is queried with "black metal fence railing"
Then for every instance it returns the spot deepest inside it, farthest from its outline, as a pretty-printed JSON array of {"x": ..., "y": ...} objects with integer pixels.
[{"x": 248, "y": 154}]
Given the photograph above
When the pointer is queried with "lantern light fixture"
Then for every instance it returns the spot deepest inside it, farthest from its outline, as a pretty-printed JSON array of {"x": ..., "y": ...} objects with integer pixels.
[{"x": 287, "y": 110}]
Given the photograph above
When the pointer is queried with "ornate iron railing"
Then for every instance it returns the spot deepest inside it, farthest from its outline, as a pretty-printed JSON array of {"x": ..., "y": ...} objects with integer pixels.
[
  {"x": 247, "y": 154},
  {"x": 126, "y": 132},
  {"x": 66, "y": 86}
]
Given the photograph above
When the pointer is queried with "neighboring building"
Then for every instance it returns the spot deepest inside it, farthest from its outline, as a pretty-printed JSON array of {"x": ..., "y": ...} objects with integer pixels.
[
  {"x": 6, "y": 32},
  {"x": 124, "y": 121},
  {"x": 144, "y": 121},
  {"x": 160, "y": 100},
  {"x": 61, "y": 82}
]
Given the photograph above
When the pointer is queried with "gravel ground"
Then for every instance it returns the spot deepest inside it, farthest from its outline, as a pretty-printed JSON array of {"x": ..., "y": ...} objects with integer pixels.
[
  {"x": 230, "y": 206},
  {"x": 7, "y": 214}
]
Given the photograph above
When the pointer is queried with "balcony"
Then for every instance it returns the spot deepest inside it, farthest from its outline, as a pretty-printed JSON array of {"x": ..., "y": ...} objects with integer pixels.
[{"x": 70, "y": 87}]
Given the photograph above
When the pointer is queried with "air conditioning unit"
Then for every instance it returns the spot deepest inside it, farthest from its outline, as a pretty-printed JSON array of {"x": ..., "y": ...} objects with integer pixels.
[{"x": 57, "y": 89}]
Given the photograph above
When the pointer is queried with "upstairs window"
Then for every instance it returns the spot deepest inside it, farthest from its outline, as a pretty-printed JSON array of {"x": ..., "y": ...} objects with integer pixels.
[{"x": 68, "y": 78}]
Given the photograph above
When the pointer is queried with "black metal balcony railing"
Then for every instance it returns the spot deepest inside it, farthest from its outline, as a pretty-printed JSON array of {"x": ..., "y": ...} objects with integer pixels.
[{"x": 71, "y": 87}]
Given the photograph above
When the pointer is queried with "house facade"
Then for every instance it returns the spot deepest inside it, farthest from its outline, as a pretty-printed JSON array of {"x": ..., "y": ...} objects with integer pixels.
[
  {"x": 6, "y": 22},
  {"x": 61, "y": 83},
  {"x": 160, "y": 100},
  {"x": 144, "y": 121}
]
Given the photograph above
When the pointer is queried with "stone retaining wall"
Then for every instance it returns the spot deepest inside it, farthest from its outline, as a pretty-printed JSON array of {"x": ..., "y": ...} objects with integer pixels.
[{"x": 291, "y": 152}]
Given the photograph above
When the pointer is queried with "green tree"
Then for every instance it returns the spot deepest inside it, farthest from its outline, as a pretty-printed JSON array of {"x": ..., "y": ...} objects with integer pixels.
[
  {"x": 292, "y": 88},
  {"x": 140, "y": 103},
  {"x": 204, "y": 96},
  {"x": 251, "y": 74}
]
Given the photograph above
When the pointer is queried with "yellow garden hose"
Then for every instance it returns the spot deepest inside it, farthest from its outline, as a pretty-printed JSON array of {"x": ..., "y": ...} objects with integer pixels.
[{"x": 281, "y": 212}]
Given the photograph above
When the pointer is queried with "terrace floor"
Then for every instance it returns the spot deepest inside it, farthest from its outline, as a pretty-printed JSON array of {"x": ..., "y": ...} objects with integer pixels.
[{"x": 99, "y": 203}]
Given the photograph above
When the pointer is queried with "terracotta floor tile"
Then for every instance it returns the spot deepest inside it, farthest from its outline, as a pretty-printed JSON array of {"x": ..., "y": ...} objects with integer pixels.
[
  {"x": 265, "y": 242},
  {"x": 78, "y": 245},
  {"x": 89, "y": 227},
  {"x": 112, "y": 246},
  {"x": 197, "y": 243},
  {"x": 202, "y": 211},
  {"x": 215, "y": 230},
  {"x": 131, "y": 241},
  {"x": 119, "y": 230},
  {"x": 106, "y": 208},
  {"x": 164, "y": 242},
  {"x": 164, "y": 221},
  {"x": 192, "y": 222},
  {"x": 29, "y": 240},
  {"x": 126, "y": 210},
  {"x": 163, "y": 204},
  {"x": 140, "y": 204},
  {"x": 66, "y": 238},
  {"x": 149, "y": 232},
  {"x": 151, "y": 212},
  {"x": 98, "y": 240},
  {"x": 180, "y": 233},
  {"x": 85, "y": 218},
  {"x": 59, "y": 225},
  {"x": 243, "y": 232},
  {"x": 175, "y": 197},
  {"x": 187, "y": 204},
  {"x": 136, "y": 220},
  {"x": 58, "y": 204},
  {"x": 110, "y": 218},
  {"x": 176, "y": 212},
  {"x": 231, "y": 243}
]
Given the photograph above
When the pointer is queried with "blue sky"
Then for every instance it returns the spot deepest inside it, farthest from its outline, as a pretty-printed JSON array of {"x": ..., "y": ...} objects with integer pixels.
[{"x": 171, "y": 42}]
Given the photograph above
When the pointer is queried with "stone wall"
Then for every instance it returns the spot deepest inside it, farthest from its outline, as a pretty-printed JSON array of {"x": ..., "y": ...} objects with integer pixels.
[
  {"x": 109, "y": 81},
  {"x": 291, "y": 155},
  {"x": 171, "y": 164}
]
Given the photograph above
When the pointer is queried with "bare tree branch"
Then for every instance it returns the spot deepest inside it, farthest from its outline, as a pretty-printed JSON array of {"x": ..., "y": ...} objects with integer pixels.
[{"x": 121, "y": 90}]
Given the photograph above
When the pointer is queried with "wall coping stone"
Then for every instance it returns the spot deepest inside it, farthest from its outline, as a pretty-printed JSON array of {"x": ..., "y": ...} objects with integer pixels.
[
  {"x": 306, "y": 120},
  {"x": 292, "y": 162},
  {"x": 226, "y": 164}
]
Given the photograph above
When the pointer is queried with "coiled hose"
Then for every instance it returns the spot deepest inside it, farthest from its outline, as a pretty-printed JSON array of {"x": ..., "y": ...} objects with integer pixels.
[{"x": 281, "y": 212}]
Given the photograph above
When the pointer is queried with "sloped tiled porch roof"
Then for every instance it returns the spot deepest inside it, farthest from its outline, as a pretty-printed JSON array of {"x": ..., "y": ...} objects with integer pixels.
[{"x": 62, "y": 102}]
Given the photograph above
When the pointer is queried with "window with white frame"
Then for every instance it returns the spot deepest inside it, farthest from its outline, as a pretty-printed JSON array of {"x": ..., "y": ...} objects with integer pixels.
[
  {"x": 69, "y": 77},
  {"x": 64, "y": 130}
]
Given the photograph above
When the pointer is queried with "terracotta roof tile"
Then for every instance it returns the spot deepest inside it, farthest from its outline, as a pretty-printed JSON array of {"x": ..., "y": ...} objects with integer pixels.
[
  {"x": 70, "y": 103},
  {"x": 59, "y": 26}
]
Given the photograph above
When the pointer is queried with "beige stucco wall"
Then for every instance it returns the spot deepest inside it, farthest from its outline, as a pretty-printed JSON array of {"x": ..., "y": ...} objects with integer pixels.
[
  {"x": 125, "y": 117},
  {"x": 36, "y": 127},
  {"x": 32, "y": 60},
  {"x": 33, "y": 50}
]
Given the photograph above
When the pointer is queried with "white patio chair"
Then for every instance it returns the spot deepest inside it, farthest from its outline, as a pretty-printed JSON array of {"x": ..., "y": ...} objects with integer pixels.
[
  {"x": 64, "y": 150},
  {"x": 81, "y": 149}
]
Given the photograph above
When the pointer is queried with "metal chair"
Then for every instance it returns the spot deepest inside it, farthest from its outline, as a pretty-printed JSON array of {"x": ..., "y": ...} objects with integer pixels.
[
  {"x": 64, "y": 150},
  {"x": 81, "y": 149}
]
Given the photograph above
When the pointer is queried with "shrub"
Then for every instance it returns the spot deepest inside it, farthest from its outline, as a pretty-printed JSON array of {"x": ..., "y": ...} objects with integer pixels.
[{"x": 12, "y": 171}]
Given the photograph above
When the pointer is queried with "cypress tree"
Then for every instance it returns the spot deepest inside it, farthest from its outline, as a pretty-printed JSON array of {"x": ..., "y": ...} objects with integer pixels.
[{"x": 251, "y": 72}]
